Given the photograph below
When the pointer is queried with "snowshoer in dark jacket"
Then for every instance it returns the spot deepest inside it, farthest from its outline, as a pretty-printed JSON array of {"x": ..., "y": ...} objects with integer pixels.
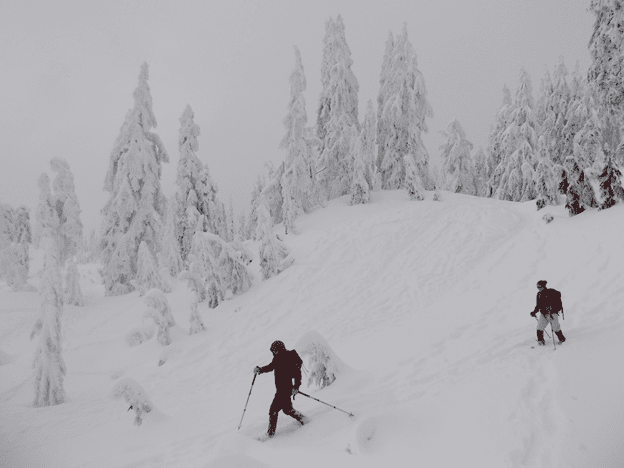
[
  {"x": 286, "y": 366},
  {"x": 549, "y": 309}
]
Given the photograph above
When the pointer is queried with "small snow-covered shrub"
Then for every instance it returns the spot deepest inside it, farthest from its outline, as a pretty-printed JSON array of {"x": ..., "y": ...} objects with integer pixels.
[
  {"x": 158, "y": 309},
  {"x": 135, "y": 396},
  {"x": 324, "y": 365},
  {"x": 139, "y": 335},
  {"x": 548, "y": 218}
]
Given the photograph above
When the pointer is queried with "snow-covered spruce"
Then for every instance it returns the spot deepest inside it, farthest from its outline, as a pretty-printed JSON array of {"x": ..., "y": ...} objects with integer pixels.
[
  {"x": 220, "y": 266},
  {"x": 158, "y": 309},
  {"x": 134, "y": 394},
  {"x": 169, "y": 258},
  {"x": 402, "y": 119},
  {"x": 134, "y": 210},
  {"x": 324, "y": 366},
  {"x": 360, "y": 189},
  {"x": 73, "y": 293},
  {"x": 273, "y": 253},
  {"x": 15, "y": 239},
  {"x": 337, "y": 113},
  {"x": 457, "y": 162},
  {"x": 67, "y": 208},
  {"x": 149, "y": 275},
  {"x": 298, "y": 180},
  {"x": 49, "y": 364}
]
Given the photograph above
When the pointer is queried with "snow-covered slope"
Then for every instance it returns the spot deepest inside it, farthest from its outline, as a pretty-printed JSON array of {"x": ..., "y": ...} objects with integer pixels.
[{"x": 427, "y": 303}]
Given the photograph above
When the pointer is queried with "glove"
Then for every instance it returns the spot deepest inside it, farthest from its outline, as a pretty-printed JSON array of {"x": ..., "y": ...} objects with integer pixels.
[
  {"x": 257, "y": 370},
  {"x": 533, "y": 314},
  {"x": 294, "y": 392}
]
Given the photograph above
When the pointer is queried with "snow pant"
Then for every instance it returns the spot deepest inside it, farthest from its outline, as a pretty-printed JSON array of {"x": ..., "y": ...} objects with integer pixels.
[
  {"x": 282, "y": 402},
  {"x": 543, "y": 322}
]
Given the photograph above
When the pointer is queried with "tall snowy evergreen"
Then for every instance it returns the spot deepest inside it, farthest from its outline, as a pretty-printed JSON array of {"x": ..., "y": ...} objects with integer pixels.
[
  {"x": 299, "y": 168},
  {"x": 499, "y": 146},
  {"x": 170, "y": 259},
  {"x": 274, "y": 255},
  {"x": 368, "y": 147},
  {"x": 196, "y": 189},
  {"x": 46, "y": 216},
  {"x": 386, "y": 89},
  {"x": 67, "y": 208},
  {"x": 518, "y": 178},
  {"x": 457, "y": 160},
  {"x": 338, "y": 112},
  {"x": 360, "y": 189},
  {"x": 403, "y": 117},
  {"x": 49, "y": 364},
  {"x": 546, "y": 176},
  {"x": 133, "y": 213},
  {"x": 148, "y": 275},
  {"x": 606, "y": 48},
  {"x": 15, "y": 242}
]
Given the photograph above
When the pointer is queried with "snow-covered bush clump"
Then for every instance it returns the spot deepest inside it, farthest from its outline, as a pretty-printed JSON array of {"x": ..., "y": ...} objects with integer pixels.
[
  {"x": 158, "y": 309},
  {"x": 324, "y": 365},
  {"x": 135, "y": 396},
  {"x": 140, "y": 334}
]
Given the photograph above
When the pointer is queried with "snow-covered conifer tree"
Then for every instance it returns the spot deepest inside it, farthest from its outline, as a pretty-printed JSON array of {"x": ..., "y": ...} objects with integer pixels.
[
  {"x": 498, "y": 145},
  {"x": 338, "y": 111},
  {"x": 298, "y": 178},
  {"x": 133, "y": 214},
  {"x": 67, "y": 208},
  {"x": 148, "y": 275},
  {"x": 457, "y": 161},
  {"x": 17, "y": 259},
  {"x": 360, "y": 190},
  {"x": 159, "y": 310},
  {"x": 606, "y": 48},
  {"x": 325, "y": 366},
  {"x": 73, "y": 292},
  {"x": 49, "y": 364},
  {"x": 518, "y": 178},
  {"x": 368, "y": 146},
  {"x": 479, "y": 163},
  {"x": 386, "y": 89},
  {"x": 273, "y": 253},
  {"x": 610, "y": 183},
  {"x": 403, "y": 118},
  {"x": 413, "y": 183},
  {"x": 170, "y": 258},
  {"x": 46, "y": 217},
  {"x": 135, "y": 395},
  {"x": 545, "y": 176}
]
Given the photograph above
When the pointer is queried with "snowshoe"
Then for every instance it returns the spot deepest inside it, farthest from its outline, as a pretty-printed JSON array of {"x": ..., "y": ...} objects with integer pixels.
[{"x": 541, "y": 342}]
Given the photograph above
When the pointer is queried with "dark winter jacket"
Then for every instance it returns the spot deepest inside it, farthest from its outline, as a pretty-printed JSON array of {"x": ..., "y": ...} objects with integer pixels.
[
  {"x": 545, "y": 302},
  {"x": 286, "y": 365}
]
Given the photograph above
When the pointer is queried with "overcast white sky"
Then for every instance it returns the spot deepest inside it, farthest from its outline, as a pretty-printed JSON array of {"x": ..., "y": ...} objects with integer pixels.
[{"x": 68, "y": 70}]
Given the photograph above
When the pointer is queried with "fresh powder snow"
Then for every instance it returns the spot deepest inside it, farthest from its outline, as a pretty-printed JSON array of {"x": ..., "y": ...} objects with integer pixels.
[{"x": 425, "y": 305}]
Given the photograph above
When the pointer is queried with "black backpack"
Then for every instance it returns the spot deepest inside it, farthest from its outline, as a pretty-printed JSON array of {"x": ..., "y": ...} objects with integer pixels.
[{"x": 554, "y": 300}]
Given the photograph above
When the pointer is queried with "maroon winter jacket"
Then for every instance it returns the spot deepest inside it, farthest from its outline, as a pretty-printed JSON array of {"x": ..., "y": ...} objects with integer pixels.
[{"x": 286, "y": 365}]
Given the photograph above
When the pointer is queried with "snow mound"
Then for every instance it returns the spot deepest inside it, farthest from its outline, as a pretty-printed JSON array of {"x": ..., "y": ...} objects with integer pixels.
[
  {"x": 324, "y": 365},
  {"x": 139, "y": 335}
]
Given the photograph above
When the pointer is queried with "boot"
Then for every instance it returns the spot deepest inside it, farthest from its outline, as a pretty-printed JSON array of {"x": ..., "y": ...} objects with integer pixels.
[
  {"x": 272, "y": 424},
  {"x": 540, "y": 338},
  {"x": 560, "y": 336}
]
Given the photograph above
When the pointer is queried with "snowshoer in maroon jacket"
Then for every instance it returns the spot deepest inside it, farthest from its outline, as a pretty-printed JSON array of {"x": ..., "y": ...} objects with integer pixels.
[
  {"x": 546, "y": 306},
  {"x": 286, "y": 366}
]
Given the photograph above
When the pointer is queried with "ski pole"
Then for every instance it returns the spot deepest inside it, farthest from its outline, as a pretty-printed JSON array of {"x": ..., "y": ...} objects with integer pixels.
[
  {"x": 306, "y": 395},
  {"x": 252, "y": 384}
]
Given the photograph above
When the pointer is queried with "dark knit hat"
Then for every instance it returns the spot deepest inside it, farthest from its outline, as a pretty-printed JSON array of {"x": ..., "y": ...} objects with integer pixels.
[{"x": 541, "y": 283}]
